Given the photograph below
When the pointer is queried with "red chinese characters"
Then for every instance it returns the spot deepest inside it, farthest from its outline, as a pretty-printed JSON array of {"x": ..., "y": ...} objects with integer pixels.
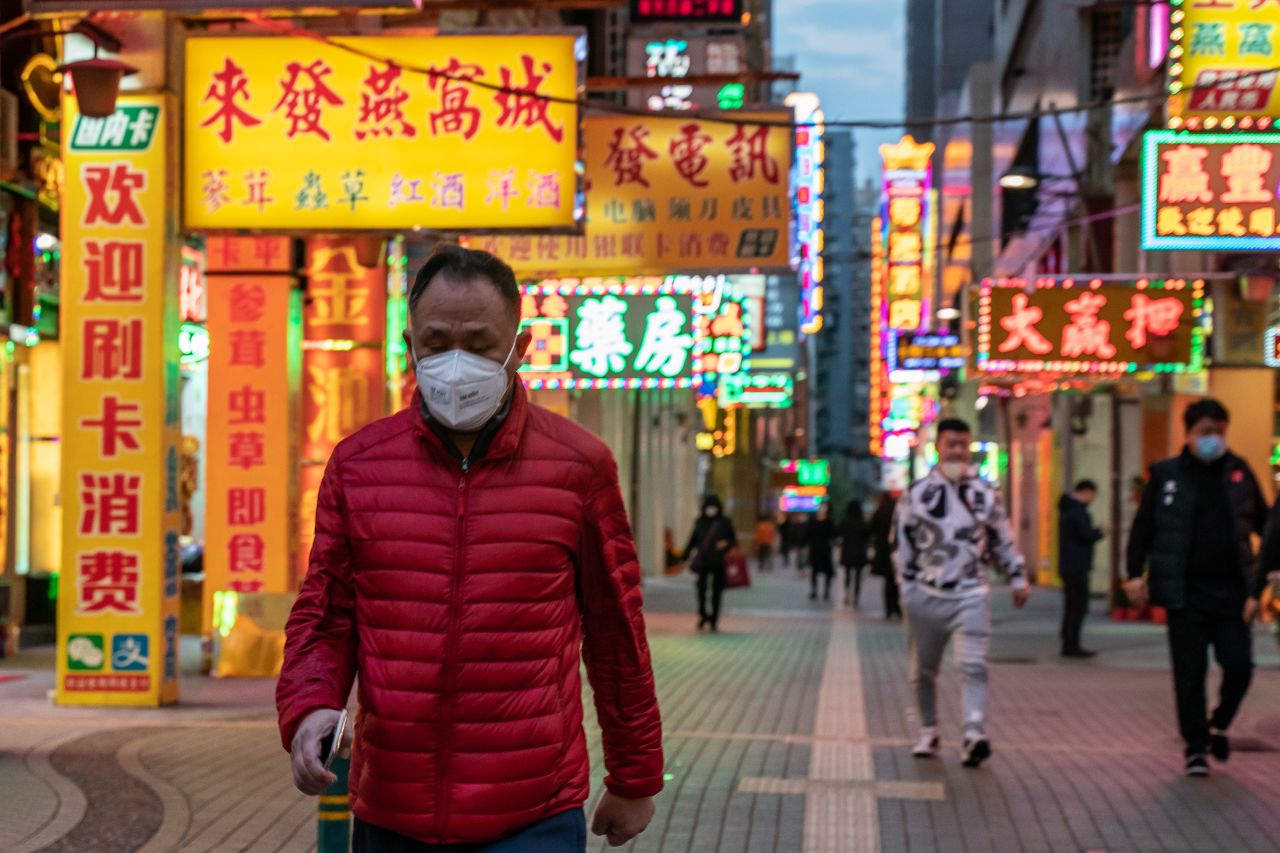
[
  {"x": 229, "y": 86},
  {"x": 112, "y": 349},
  {"x": 523, "y": 105},
  {"x": 112, "y": 192},
  {"x": 751, "y": 155},
  {"x": 1147, "y": 316},
  {"x": 1087, "y": 334},
  {"x": 456, "y": 113},
  {"x": 686, "y": 154},
  {"x": 1217, "y": 189},
  {"x": 382, "y": 105},
  {"x": 118, "y": 423},
  {"x": 304, "y": 96},
  {"x": 627, "y": 153},
  {"x": 114, "y": 270},
  {"x": 1021, "y": 326},
  {"x": 110, "y": 504},
  {"x": 109, "y": 581},
  {"x": 246, "y": 554}
]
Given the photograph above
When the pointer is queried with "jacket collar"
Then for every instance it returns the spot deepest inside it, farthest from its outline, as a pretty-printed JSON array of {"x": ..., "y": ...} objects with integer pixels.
[{"x": 503, "y": 443}]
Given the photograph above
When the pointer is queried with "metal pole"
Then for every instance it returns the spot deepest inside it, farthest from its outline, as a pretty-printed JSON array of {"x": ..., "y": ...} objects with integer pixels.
[{"x": 333, "y": 826}]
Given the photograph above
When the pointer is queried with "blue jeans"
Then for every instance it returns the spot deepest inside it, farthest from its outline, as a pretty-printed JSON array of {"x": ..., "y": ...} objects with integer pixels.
[{"x": 564, "y": 833}]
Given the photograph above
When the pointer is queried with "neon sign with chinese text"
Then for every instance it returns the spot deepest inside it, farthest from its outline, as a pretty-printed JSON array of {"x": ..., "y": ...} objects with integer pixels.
[
  {"x": 809, "y": 181},
  {"x": 685, "y": 10},
  {"x": 907, "y": 221},
  {"x": 1214, "y": 191},
  {"x": 1087, "y": 326},
  {"x": 930, "y": 351},
  {"x": 879, "y": 316},
  {"x": 757, "y": 390},
  {"x": 1222, "y": 63}
]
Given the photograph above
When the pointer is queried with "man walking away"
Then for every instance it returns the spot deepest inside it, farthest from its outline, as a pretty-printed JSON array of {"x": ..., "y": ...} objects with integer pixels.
[
  {"x": 882, "y": 554},
  {"x": 1077, "y": 538},
  {"x": 946, "y": 525},
  {"x": 1192, "y": 535}
]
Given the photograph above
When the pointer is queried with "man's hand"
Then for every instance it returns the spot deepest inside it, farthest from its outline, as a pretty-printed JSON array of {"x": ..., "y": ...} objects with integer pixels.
[
  {"x": 1136, "y": 590},
  {"x": 1021, "y": 595},
  {"x": 620, "y": 819},
  {"x": 309, "y": 775},
  {"x": 1251, "y": 608}
]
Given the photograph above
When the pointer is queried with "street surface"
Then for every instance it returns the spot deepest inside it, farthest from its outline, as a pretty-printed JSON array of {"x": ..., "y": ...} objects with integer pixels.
[{"x": 788, "y": 732}]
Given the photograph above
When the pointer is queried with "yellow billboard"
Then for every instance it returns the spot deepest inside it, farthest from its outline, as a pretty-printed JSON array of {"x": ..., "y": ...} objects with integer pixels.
[
  {"x": 1222, "y": 63},
  {"x": 118, "y": 597},
  {"x": 382, "y": 132},
  {"x": 672, "y": 195}
]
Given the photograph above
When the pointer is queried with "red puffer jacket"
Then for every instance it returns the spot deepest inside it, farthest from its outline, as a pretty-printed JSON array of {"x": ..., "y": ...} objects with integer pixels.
[{"x": 462, "y": 599}]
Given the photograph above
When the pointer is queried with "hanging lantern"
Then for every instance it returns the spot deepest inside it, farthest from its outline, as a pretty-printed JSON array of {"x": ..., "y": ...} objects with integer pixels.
[{"x": 96, "y": 83}]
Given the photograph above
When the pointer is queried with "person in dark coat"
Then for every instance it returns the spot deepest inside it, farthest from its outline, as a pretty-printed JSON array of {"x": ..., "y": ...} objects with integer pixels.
[
  {"x": 1077, "y": 538},
  {"x": 1191, "y": 552},
  {"x": 882, "y": 555},
  {"x": 854, "y": 536},
  {"x": 822, "y": 536},
  {"x": 709, "y": 545}
]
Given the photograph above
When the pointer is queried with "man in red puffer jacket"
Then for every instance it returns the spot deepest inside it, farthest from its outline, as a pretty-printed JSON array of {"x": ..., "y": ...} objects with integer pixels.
[{"x": 467, "y": 551}]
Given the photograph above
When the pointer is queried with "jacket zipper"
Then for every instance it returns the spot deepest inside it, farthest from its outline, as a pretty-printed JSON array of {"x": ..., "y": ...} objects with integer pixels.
[{"x": 443, "y": 749}]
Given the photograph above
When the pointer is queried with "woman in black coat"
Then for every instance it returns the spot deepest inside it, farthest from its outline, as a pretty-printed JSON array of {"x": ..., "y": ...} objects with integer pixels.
[
  {"x": 854, "y": 536},
  {"x": 822, "y": 536},
  {"x": 712, "y": 538},
  {"x": 882, "y": 560}
]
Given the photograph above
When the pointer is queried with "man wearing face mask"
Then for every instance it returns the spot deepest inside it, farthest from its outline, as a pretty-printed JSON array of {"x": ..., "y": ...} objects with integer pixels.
[
  {"x": 469, "y": 552},
  {"x": 1193, "y": 533},
  {"x": 948, "y": 527}
]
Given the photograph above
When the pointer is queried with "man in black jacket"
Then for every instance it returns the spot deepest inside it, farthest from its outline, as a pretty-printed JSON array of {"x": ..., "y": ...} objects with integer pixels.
[
  {"x": 1076, "y": 540},
  {"x": 1193, "y": 531}
]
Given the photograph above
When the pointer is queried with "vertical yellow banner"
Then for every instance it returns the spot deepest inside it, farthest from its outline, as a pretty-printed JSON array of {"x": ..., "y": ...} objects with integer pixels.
[
  {"x": 118, "y": 597},
  {"x": 248, "y": 530}
]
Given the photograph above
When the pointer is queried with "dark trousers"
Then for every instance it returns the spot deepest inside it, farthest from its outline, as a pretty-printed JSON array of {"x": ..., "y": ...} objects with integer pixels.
[
  {"x": 853, "y": 583},
  {"x": 1191, "y": 633},
  {"x": 892, "y": 597},
  {"x": 564, "y": 833},
  {"x": 711, "y": 581},
  {"x": 1075, "y": 606},
  {"x": 826, "y": 573}
]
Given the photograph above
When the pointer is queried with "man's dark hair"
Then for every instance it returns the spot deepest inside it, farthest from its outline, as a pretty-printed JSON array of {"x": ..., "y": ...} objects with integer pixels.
[
  {"x": 1086, "y": 486},
  {"x": 953, "y": 425},
  {"x": 458, "y": 265},
  {"x": 1206, "y": 408}
]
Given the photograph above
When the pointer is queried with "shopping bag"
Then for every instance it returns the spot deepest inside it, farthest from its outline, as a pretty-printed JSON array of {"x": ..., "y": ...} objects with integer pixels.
[{"x": 735, "y": 570}]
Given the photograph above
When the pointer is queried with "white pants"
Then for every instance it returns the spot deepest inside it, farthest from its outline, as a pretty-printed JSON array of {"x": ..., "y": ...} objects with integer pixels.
[{"x": 931, "y": 620}]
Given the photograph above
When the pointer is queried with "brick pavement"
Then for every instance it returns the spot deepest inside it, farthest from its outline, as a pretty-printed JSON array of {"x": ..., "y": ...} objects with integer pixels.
[{"x": 788, "y": 732}]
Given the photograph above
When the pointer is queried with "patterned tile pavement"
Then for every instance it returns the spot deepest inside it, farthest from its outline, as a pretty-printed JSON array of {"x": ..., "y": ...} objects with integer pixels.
[{"x": 790, "y": 731}]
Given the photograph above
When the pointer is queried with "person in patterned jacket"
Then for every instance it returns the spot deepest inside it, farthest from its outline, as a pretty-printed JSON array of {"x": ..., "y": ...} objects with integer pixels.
[{"x": 948, "y": 527}]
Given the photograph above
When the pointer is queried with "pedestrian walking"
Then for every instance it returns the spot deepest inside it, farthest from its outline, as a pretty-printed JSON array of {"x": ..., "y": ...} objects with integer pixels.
[
  {"x": 946, "y": 526},
  {"x": 1191, "y": 552},
  {"x": 787, "y": 541},
  {"x": 882, "y": 554},
  {"x": 822, "y": 539},
  {"x": 469, "y": 552},
  {"x": 854, "y": 536},
  {"x": 709, "y": 545},
  {"x": 1077, "y": 538},
  {"x": 766, "y": 532}
]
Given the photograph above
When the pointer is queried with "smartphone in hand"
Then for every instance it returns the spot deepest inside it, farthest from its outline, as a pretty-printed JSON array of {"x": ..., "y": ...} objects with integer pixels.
[{"x": 329, "y": 746}]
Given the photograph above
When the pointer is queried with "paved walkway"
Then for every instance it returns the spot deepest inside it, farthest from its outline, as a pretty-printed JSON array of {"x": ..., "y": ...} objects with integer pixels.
[{"x": 788, "y": 732}]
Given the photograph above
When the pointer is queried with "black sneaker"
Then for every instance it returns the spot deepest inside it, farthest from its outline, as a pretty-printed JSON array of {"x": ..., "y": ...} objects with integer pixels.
[
  {"x": 1197, "y": 765},
  {"x": 1219, "y": 745},
  {"x": 976, "y": 750}
]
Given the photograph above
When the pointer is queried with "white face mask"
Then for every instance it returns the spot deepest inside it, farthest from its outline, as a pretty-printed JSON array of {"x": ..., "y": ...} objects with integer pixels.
[
  {"x": 462, "y": 390},
  {"x": 954, "y": 471}
]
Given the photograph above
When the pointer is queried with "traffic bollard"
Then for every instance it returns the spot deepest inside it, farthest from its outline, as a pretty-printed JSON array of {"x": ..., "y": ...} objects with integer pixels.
[{"x": 334, "y": 824}]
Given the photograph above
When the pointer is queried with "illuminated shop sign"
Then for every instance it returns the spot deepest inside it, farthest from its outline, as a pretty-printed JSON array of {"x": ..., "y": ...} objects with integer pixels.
[
  {"x": 930, "y": 351},
  {"x": 758, "y": 390},
  {"x": 685, "y": 10},
  {"x": 1067, "y": 326},
  {"x": 1213, "y": 191},
  {"x": 1222, "y": 63},
  {"x": 907, "y": 220}
]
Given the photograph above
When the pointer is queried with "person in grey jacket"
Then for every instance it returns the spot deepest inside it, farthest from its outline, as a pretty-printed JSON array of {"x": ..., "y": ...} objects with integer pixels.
[{"x": 947, "y": 526}]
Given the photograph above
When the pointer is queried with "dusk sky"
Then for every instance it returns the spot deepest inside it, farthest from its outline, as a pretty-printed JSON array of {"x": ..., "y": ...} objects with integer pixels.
[{"x": 850, "y": 52}]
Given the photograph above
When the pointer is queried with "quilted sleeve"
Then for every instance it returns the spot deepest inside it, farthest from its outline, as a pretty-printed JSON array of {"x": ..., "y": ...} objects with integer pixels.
[
  {"x": 320, "y": 636},
  {"x": 615, "y": 650}
]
